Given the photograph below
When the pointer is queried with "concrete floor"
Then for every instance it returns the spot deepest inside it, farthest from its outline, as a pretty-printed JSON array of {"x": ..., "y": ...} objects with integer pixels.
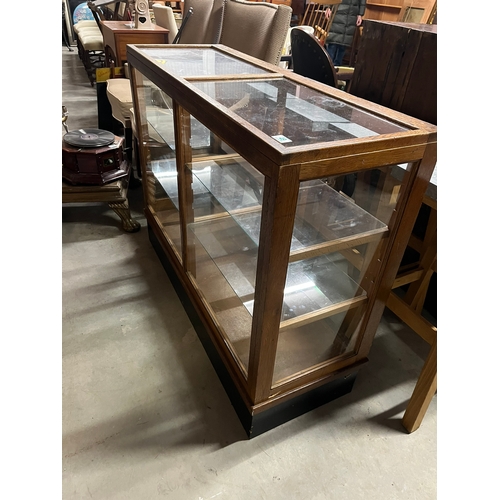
[{"x": 145, "y": 416}]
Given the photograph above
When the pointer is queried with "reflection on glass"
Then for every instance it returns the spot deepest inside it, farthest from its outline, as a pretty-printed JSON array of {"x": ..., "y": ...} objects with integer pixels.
[
  {"x": 295, "y": 115},
  {"x": 156, "y": 132},
  {"x": 322, "y": 322},
  {"x": 199, "y": 62},
  {"x": 335, "y": 243}
]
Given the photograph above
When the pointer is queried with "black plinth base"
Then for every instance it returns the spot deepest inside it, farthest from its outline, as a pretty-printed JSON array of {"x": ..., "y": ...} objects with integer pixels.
[{"x": 254, "y": 424}]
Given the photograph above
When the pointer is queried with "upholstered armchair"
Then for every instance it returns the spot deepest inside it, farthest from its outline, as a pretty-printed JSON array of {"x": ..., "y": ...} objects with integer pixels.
[
  {"x": 204, "y": 25},
  {"x": 257, "y": 29}
]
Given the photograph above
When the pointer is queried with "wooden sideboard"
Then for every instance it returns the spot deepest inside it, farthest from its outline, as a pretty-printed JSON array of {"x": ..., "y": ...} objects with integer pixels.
[{"x": 117, "y": 34}]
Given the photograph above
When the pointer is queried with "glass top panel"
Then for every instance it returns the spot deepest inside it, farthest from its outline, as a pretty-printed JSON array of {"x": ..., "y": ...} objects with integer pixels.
[
  {"x": 200, "y": 62},
  {"x": 293, "y": 114}
]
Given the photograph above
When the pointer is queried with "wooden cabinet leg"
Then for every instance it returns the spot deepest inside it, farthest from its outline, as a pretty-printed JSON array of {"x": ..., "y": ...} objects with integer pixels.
[{"x": 423, "y": 393}]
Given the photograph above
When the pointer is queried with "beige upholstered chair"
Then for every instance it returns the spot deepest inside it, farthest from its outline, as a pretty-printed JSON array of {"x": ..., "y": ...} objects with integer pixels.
[
  {"x": 257, "y": 29},
  {"x": 204, "y": 25},
  {"x": 164, "y": 17}
]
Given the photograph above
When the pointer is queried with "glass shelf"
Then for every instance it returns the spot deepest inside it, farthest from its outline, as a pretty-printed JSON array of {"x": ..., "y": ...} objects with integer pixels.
[
  {"x": 315, "y": 287},
  {"x": 161, "y": 128},
  {"x": 326, "y": 220},
  {"x": 318, "y": 284}
]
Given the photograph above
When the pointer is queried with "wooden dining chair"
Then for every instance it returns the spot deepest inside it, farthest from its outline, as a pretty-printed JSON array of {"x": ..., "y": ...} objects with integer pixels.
[
  {"x": 319, "y": 14},
  {"x": 310, "y": 59},
  {"x": 414, "y": 279}
]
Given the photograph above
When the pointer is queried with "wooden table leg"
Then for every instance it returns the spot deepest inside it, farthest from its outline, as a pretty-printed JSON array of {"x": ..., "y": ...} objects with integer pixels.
[
  {"x": 123, "y": 211},
  {"x": 423, "y": 393},
  {"x": 113, "y": 193}
]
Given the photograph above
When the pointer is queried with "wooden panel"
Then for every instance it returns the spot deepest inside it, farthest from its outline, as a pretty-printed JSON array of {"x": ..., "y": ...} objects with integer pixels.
[{"x": 397, "y": 67}]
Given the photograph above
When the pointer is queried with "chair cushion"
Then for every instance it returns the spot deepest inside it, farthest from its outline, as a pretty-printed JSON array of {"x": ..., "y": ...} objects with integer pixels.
[
  {"x": 88, "y": 30},
  {"x": 92, "y": 42},
  {"x": 84, "y": 24}
]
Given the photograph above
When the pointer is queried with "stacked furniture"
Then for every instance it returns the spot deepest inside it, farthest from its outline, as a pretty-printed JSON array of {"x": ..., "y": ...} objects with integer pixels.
[{"x": 90, "y": 46}]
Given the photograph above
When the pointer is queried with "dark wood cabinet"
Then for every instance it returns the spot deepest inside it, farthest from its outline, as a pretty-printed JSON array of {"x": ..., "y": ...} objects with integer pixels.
[{"x": 396, "y": 66}]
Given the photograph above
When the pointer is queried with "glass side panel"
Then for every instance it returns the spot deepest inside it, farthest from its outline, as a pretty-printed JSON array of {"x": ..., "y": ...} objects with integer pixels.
[
  {"x": 158, "y": 138},
  {"x": 293, "y": 114},
  {"x": 224, "y": 255},
  {"x": 159, "y": 173},
  {"x": 344, "y": 222},
  {"x": 186, "y": 62}
]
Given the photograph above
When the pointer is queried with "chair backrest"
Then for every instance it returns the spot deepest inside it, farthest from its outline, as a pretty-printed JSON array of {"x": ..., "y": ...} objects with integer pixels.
[
  {"x": 319, "y": 15},
  {"x": 257, "y": 29},
  {"x": 205, "y": 23},
  {"x": 164, "y": 17},
  {"x": 310, "y": 59}
]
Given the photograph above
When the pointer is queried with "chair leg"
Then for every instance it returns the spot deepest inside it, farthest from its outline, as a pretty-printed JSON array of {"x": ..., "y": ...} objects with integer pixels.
[{"x": 423, "y": 393}]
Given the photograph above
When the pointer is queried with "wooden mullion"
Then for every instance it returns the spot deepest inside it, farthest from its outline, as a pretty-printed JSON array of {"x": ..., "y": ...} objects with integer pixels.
[
  {"x": 242, "y": 76},
  {"x": 182, "y": 128}
]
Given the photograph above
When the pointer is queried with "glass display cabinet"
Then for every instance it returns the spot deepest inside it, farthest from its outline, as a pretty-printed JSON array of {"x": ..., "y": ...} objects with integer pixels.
[{"x": 280, "y": 208}]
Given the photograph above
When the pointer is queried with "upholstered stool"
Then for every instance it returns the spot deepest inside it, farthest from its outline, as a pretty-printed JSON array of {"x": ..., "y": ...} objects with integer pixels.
[
  {"x": 91, "y": 51},
  {"x": 87, "y": 27}
]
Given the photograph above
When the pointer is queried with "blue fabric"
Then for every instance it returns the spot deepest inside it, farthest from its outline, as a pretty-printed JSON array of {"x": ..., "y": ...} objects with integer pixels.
[
  {"x": 336, "y": 53},
  {"x": 82, "y": 13}
]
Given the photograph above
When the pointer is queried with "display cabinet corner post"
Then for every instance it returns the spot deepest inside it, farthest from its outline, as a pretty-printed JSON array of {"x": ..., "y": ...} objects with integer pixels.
[{"x": 278, "y": 214}]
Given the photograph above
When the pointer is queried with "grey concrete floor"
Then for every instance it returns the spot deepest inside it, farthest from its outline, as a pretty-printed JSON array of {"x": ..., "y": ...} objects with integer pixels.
[{"x": 145, "y": 416}]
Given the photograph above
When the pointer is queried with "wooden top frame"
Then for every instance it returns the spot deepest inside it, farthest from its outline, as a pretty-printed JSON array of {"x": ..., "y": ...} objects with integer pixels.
[{"x": 316, "y": 160}]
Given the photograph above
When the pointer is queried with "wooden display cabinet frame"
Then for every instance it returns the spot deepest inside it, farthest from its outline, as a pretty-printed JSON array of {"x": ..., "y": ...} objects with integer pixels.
[{"x": 261, "y": 402}]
